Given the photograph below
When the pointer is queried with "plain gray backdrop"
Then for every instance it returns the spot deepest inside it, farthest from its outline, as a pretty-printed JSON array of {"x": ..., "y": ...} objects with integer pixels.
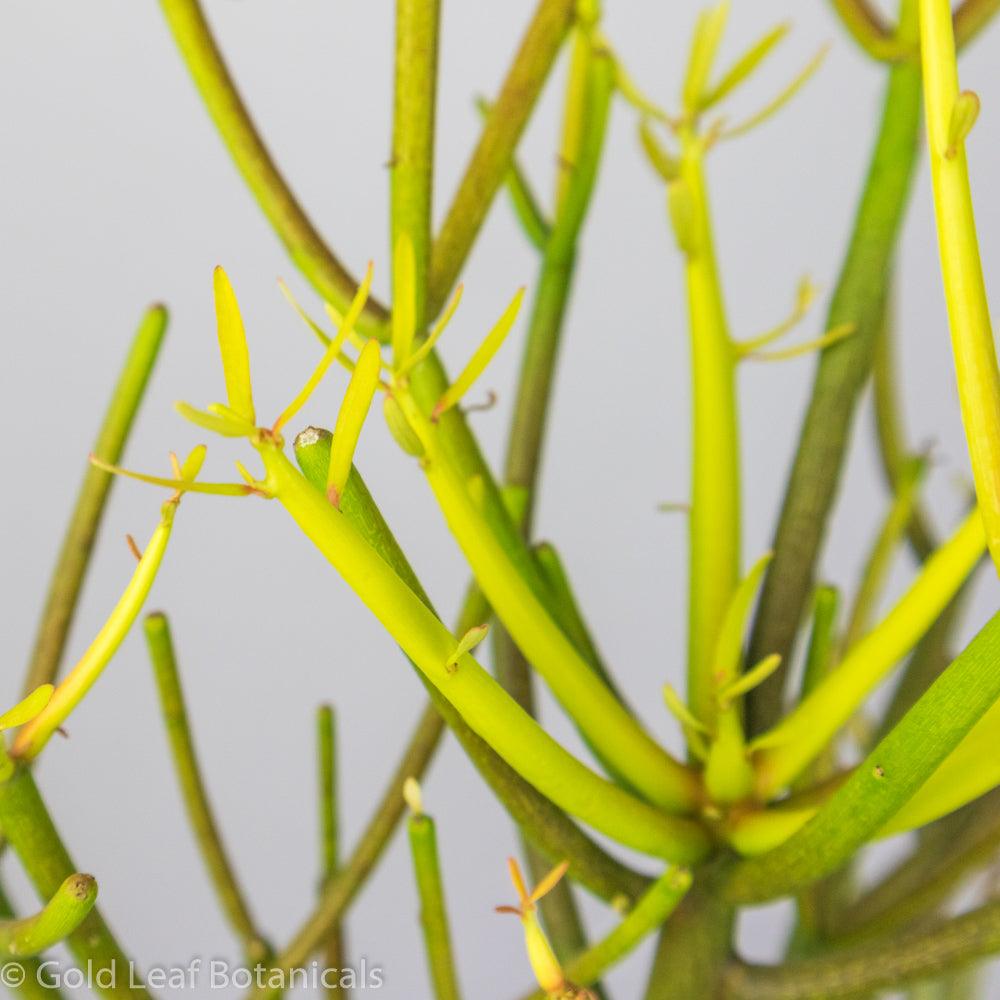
[{"x": 116, "y": 192}]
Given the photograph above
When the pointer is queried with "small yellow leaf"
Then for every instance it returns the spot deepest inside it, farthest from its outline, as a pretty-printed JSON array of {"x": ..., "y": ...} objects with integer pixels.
[
  {"x": 351, "y": 418},
  {"x": 468, "y": 642},
  {"x": 233, "y": 347},
  {"x": 963, "y": 117},
  {"x": 26, "y": 709},
  {"x": 330, "y": 354},
  {"x": 217, "y": 422},
  {"x": 478, "y": 362}
]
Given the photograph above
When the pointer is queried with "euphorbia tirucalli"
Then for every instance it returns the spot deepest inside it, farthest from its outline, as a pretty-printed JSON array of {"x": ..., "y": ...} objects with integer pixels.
[{"x": 762, "y": 803}]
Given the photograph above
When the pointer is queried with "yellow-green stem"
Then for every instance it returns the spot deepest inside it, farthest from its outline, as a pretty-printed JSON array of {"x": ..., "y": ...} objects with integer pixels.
[
  {"x": 961, "y": 269},
  {"x": 715, "y": 490}
]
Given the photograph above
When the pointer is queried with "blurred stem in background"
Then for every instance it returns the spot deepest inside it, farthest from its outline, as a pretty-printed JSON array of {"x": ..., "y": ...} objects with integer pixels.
[{"x": 842, "y": 371}]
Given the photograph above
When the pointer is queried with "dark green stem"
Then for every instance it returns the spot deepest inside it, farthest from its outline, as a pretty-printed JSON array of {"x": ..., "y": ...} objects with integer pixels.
[
  {"x": 947, "y": 856},
  {"x": 695, "y": 944},
  {"x": 193, "y": 791},
  {"x": 78, "y": 542},
  {"x": 843, "y": 370},
  {"x": 329, "y": 824},
  {"x": 884, "y": 781},
  {"x": 846, "y": 972},
  {"x": 492, "y": 157},
  {"x": 526, "y": 433},
  {"x": 28, "y": 826}
]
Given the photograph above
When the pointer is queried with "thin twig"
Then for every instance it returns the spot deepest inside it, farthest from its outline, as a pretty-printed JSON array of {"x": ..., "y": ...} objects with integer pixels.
[{"x": 192, "y": 786}]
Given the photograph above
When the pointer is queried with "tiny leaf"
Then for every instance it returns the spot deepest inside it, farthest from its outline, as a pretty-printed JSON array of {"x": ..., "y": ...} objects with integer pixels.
[
  {"x": 233, "y": 347},
  {"x": 351, "y": 418},
  {"x": 963, "y": 117},
  {"x": 26, "y": 709},
  {"x": 478, "y": 362}
]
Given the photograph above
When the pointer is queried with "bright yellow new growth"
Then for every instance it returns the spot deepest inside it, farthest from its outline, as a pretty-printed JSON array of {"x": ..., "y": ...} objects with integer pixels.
[
  {"x": 351, "y": 418},
  {"x": 950, "y": 115},
  {"x": 330, "y": 354},
  {"x": 467, "y": 643},
  {"x": 783, "y": 752},
  {"x": 439, "y": 327},
  {"x": 404, "y": 300},
  {"x": 413, "y": 796},
  {"x": 233, "y": 347},
  {"x": 483, "y": 356},
  {"x": 181, "y": 485},
  {"x": 743, "y": 66},
  {"x": 33, "y": 737},
  {"x": 543, "y": 961},
  {"x": 777, "y": 103},
  {"x": 707, "y": 36},
  {"x": 26, "y": 709}
]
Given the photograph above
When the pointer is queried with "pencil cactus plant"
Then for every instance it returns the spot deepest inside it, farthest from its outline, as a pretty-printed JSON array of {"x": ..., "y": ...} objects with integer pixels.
[{"x": 763, "y": 804}]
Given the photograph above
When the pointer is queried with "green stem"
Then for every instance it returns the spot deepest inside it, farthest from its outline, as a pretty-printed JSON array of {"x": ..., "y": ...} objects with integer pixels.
[
  {"x": 36, "y": 983},
  {"x": 28, "y": 827},
  {"x": 695, "y": 944},
  {"x": 922, "y": 882},
  {"x": 715, "y": 482},
  {"x": 338, "y": 894},
  {"x": 60, "y": 916},
  {"x": 534, "y": 390},
  {"x": 78, "y": 542},
  {"x": 845, "y": 972},
  {"x": 329, "y": 822},
  {"x": 842, "y": 371},
  {"x": 608, "y": 726},
  {"x": 544, "y": 824},
  {"x": 783, "y": 752},
  {"x": 482, "y": 702},
  {"x": 412, "y": 162},
  {"x": 885, "y": 781},
  {"x": 433, "y": 915},
  {"x": 492, "y": 157},
  {"x": 193, "y": 791},
  {"x": 254, "y": 161},
  {"x": 976, "y": 368}
]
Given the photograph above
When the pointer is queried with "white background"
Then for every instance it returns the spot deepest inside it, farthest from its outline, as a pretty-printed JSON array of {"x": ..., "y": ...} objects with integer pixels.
[{"x": 116, "y": 192}]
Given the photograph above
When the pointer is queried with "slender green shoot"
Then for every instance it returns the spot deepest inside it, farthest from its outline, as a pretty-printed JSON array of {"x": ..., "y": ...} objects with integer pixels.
[
  {"x": 33, "y": 736},
  {"x": 949, "y": 116},
  {"x": 192, "y": 786},
  {"x": 433, "y": 915}
]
